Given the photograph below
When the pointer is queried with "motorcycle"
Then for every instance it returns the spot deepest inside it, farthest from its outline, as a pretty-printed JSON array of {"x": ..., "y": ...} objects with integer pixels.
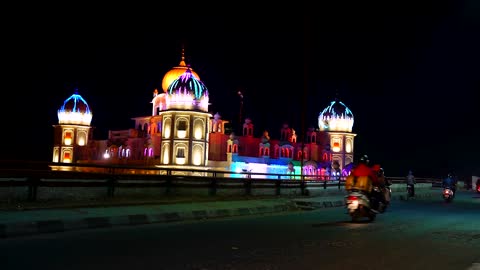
[
  {"x": 388, "y": 195},
  {"x": 359, "y": 206},
  {"x": 379, "y": 200},
  {"x": 448, "y": 194}
]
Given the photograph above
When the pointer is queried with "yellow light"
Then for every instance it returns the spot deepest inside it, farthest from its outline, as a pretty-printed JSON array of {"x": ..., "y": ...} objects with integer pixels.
[
  {"x": 348, "y": 147},
  {"x": 198, "y": 133},
  {"x": 197, "y": 158},
  {"x": 167, "y": 132},
  {"x": 336, "y": 147},
  {"x": 181, "y": 134},
  {"x": 81, "y": 141},
  {"x": 66, "y": 157},
  {"x": 67, "y": 138},
  {"x": 180, "y": 160},
  {"x": 165, "y": 157}
]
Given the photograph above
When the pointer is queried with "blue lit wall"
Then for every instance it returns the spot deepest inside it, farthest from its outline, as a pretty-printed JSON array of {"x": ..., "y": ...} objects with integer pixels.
[{"x": 261, "y": 168}]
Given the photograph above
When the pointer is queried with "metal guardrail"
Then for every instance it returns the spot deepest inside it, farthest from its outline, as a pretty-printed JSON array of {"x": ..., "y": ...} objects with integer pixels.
[{"x": 114, "y": 177}]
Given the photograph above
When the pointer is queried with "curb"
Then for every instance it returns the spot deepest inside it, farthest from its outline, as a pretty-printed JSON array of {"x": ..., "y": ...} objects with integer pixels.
[
  {"x": 9, "y": 230},
  {"x": 305, "y": 205},
  {"x": 312, "y": 205}
]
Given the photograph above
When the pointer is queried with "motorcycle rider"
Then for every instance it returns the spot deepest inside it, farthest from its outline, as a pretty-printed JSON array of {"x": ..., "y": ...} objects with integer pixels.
[
  {"x": 363, "y": 169},
  {"x": 380, "y": 191},
  {"x": 411, "y": 183},
  {"x": 386, "y": 183},
  {"x": 450, "y": 182}
]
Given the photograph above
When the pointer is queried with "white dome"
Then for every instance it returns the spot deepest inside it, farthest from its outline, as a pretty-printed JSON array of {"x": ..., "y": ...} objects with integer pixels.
[
  {"x": 75, "y": 111},
  {"x": 336, "y": 117}
]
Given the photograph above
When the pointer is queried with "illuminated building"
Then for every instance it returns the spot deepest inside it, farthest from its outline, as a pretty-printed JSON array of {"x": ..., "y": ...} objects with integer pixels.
[
  {"x": 337, "y": 121},
  {"x": 182, "y": 133},
  {"x": 72, "y": 133}
]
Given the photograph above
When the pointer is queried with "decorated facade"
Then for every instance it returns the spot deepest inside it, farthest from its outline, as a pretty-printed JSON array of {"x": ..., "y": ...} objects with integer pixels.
[{"x": 180, "y": 132}]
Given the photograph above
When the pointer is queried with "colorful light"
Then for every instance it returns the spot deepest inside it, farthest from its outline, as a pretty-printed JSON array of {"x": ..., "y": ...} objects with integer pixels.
[
  {"x": 336, "y": 147},
  {"x": 75, "y": 110},
  {"x": 336, "y": 117}
]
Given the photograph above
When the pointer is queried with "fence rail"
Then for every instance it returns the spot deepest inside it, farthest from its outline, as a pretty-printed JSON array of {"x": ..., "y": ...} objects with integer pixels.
[{"x": 115, "y": 180}]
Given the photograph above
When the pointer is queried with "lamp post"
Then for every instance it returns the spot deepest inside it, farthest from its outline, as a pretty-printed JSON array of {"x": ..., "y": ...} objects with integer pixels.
[
  {"x": 240, "y": 94},
  {"x": 306, "y": 57}
]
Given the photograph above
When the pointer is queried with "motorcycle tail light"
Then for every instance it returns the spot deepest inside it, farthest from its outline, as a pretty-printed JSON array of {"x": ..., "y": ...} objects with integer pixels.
[{"x": 352, "y": 198}]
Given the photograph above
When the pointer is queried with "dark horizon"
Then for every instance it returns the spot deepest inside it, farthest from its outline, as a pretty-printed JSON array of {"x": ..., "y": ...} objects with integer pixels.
[{"x": 410, "y": 78}]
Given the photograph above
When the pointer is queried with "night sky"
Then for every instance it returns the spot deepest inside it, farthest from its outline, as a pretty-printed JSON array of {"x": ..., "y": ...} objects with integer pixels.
[{"x": 410, "y": 74}]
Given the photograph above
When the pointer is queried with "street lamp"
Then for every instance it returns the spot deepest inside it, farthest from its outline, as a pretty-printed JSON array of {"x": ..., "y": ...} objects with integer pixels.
[{"x": 240, "y": 94}]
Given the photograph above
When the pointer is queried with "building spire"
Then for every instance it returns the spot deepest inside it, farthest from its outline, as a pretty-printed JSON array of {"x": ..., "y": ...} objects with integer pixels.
[{"x": 182, "y": 61}]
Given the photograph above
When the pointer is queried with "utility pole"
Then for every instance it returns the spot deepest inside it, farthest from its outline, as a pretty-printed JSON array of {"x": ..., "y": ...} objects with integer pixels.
[
  {"x": 306, "y": 57},
  {"x": 240, "y": 115}
]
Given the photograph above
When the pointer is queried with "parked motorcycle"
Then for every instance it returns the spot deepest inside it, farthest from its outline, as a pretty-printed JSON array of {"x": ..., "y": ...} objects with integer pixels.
[{"x": 448, "y": 194}]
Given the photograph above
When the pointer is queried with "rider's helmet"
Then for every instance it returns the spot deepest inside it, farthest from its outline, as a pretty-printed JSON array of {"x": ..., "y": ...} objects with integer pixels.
[{"x": 364, "y": 159}]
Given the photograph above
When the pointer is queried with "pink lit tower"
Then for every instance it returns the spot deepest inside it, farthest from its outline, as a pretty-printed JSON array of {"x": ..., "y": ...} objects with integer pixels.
[
  {"x": 185, "y": 122},
  {"x": 337, "y": 121},
  {"x": 73, "y": 131}
]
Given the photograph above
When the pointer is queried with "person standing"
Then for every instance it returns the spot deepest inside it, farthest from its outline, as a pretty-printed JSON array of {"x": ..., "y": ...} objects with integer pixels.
[
  {"x": 291, "y": 170},
  {"x": 411, "y": 183}
]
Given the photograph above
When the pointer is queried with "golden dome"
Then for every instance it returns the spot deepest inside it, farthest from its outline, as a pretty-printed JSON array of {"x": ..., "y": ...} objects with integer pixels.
[{"x": 176, "y": 72}]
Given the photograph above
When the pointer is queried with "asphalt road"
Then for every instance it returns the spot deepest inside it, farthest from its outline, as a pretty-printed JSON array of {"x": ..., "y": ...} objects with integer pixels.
[{"x": 414, "y": 234}]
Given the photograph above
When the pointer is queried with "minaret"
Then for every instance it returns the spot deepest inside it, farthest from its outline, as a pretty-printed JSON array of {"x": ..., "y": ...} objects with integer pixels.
[
  {"x": 185, "y": 122},
  {"x": 337, "y": 121},
  {"x": 73, "y": 130}
]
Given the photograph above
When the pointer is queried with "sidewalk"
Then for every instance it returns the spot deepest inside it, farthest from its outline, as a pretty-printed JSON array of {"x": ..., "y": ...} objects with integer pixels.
[{"x": 36, "y": 219}]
